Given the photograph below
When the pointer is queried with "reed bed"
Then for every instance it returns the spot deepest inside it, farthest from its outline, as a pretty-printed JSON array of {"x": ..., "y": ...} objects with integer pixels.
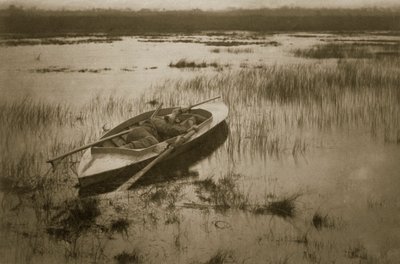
[
  {"x": 183, "y": 63},
  {"x": 232, "y": 50},
  {"x": 31, "y": 133},
  {"x": 55, "y": 41},
  {"x": 356, "y": 50},
  {"x": 269, "y": 107}
]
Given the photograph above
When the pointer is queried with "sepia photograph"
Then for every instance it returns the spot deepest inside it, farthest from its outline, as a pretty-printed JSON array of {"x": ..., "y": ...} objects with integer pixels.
[{"x": 199, "y": 132}]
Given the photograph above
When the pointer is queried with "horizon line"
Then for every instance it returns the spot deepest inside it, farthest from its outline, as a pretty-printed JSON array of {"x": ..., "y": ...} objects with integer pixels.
[{"x": 4, "y": 7}]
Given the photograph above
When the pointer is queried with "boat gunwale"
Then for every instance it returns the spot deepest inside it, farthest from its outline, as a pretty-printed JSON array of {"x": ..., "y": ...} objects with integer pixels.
[{"x": 151, "y": 149}]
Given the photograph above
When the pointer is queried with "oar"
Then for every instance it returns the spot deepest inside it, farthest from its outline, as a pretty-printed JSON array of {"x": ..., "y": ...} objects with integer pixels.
[
  {"x": 206, "y": 101},
  {"x": 179, "y": 141},
  {"x": 51, "y": 161},
  {"x": 156, "y": 112}
]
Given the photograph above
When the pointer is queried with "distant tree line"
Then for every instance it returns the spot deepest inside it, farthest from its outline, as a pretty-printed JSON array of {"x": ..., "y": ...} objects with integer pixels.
[{"x": 119, "y": 22}]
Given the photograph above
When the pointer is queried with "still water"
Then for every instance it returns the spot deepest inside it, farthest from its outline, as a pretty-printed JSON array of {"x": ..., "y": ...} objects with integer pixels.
[{"x": 132, "y": 65}]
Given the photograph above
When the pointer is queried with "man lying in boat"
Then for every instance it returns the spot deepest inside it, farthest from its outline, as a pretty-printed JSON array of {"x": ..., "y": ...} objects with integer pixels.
[{"x": 160, "y": 128}]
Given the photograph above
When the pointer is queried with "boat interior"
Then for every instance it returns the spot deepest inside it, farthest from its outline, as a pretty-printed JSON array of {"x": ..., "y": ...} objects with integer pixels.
[{"x": 121, "y": 140}]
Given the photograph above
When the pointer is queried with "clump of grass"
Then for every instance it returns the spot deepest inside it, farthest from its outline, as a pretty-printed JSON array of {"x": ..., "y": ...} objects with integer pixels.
[
  {"x": 332, "y": 50},
  {"x": 232, "y": 50},
  {"x": 21, "y": 174},
  {"x": 320, "y": 221},
  {"x": 284, "y": 207},
  {"x": 220, "y": 257},
  {"x": 356, "y": 251},
  {"x": 239, "y": 50},
  {"x": 52, "y": 69},
  {"x": 183, "y": 63},
  {"x": 120, "y": 225},
  {"x": 299, "y": 147},
  {"x": 128, "y": 69},
  {"x": 271, "y": 43},
  {"x": 57, "y": 41},
  {"x": 92, "y": 70},
  {"x": 231, "y": 43},
  {"x": 172, "y": 218},
  {"x": 158, "y": 196},
  {"x": 27, "y": 114},
  {"x": 223, "y": 194},
  {"x": 217, "y": 43},
  {"x": 207, "y": 184},
  {"x": 59, "y": 233},
  {"x": 128, "y": 258},
  {"x": 78, "y": 215},
  {"x": 74, "y": 219},
  {"x": 69, "y": 70},
  {"x": 347, "y": 50},
  {"x": 82, "y": 213}
]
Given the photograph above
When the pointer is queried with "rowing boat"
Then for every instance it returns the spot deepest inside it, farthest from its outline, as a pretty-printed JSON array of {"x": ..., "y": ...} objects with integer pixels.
[{"x": 106, "y": 160}]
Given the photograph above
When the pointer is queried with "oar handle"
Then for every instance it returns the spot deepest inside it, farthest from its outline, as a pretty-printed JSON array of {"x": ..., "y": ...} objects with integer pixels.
[
  {"x": 156, "y": 111},
  {"x": 194, "y": 105}
]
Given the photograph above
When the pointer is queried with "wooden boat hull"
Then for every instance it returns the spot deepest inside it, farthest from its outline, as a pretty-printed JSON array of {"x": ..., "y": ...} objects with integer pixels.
[{"x": 103, "y": 163}]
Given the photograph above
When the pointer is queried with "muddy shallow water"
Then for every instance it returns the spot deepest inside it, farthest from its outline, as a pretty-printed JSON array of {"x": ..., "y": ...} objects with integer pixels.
[
  {"x": 343, "y": 181},
  {"x": 133, "y": 66}
]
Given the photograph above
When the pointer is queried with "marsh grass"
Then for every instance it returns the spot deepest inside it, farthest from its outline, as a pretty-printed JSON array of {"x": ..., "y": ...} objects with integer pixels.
[
  {"x": 214, "y": 43},
  {"x": 132, "y": 257},
  {"x": 158, "y": 196},
  {"x": 349, "y": 50},
  {"x": 320, "y": 221},
  {"x": 57, "y": 41},
  {"x": 284, "y": 207},
  {"x": 78, "y": 215},
  {"x": 31, "y": 133},
  {"x": 120, "y": 226},
  {"x": 240, "y": 50},
  {"x": 183, "y": 63},
  {"x": 220, "y": 257},
  {"x": 26, "y": 113},
  {"x": 232, "y": 50},
  {"x": 284, "y": 100},
  {"x": 172, "y": 218},
  {"x": 356, "y": 251},
  {"x": 223, "y": 194},
  {"x": 232, "y": 43},
  {"x": 68, "y": 70},
  {"x": 72, "y": 221}
]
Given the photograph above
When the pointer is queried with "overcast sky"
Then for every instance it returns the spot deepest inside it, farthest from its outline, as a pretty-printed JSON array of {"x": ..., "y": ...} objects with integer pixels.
[{"x": 192, "y": 4}]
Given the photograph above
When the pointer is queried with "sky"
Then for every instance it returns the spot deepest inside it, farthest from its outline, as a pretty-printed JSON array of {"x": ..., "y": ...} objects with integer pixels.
[{"x": 193, "y": 4}]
